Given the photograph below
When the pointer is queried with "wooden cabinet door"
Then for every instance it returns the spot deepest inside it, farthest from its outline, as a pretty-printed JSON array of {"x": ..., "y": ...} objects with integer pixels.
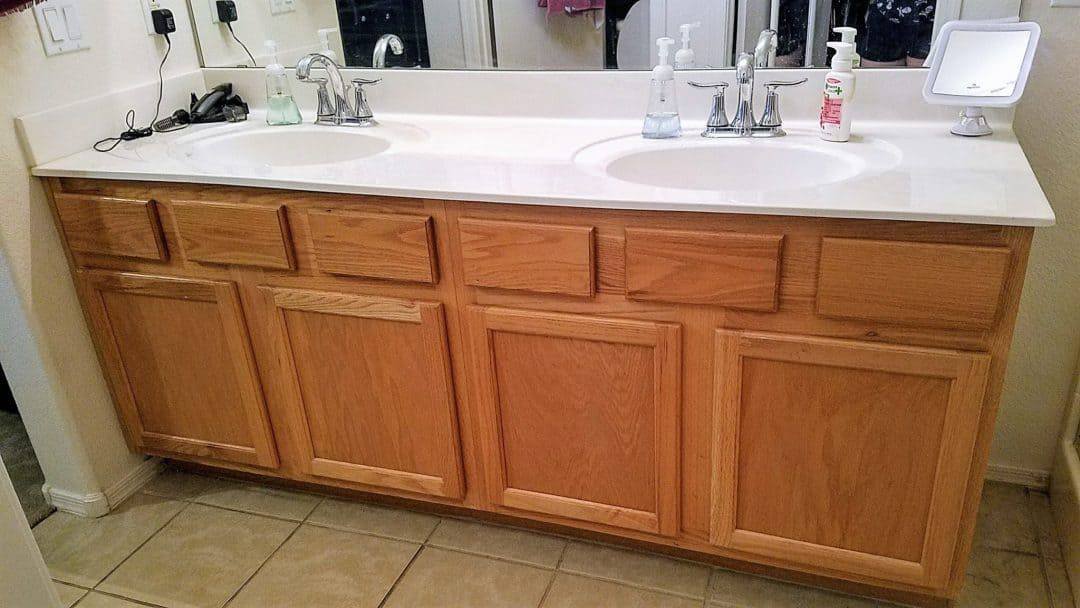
[
  {"x": 371, "y": 388},
  {"x": 580, "y": 416},
  {"x": 844, "y": 456},
  {"x": 177, "y": 355}
]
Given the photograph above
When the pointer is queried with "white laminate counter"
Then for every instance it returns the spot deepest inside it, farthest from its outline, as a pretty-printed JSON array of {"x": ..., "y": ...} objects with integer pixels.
[{"x": 928, "y": 175}]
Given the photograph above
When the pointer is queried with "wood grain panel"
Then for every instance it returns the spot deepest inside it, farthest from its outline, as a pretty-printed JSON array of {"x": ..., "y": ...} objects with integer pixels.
[
  {"x": 582, "y": 416},
  {"x": 932, "y": 285},
  {"x": 844, "y": 455},
  {"x": 722, "y": 269},
  {"x": 179, "y": 362},
  {"x": 234, "y": 233},
  {"x": 111, "y": 226},
  {"x": 381, "y": 246},
  {"x": 544, "y": 258},
  {"x": 373, "y": 394}
]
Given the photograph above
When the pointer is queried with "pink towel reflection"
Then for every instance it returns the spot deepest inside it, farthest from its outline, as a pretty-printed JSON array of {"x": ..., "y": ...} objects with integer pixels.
[{"x": 570, "y": 7}]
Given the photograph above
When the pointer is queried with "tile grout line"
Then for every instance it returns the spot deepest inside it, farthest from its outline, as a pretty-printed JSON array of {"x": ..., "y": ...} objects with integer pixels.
[
  {"x": 263, "y": 564},
  {"x": 141, "y": 545},
  {"x": 401, "y": 577},
  {"x": 554, "y": 575}
]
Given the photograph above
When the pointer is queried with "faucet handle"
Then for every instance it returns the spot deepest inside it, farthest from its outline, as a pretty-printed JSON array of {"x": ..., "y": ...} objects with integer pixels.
[
  {"x": 363, "y": 110},
  {"x": 719, "y": 86},
  {"x": 772, "y": 85},
  {"x": 718, "y": 115},
  {"x": 771, "y": 116}
]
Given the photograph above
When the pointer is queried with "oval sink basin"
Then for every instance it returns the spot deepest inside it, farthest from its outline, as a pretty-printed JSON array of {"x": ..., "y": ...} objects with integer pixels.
[
  {"x": 259, "y": 146},
  {"x": 694, "y": 163}
]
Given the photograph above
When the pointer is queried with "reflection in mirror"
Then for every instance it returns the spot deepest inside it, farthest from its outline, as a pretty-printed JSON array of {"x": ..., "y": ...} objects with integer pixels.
[{"x": 575, "y": 34}]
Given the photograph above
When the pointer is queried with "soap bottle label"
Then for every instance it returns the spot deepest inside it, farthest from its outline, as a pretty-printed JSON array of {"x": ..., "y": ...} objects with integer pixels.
[{"x": 832, "y": 106}]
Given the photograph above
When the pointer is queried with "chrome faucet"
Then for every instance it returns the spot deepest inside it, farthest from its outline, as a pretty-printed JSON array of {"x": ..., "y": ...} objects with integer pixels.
[
  {"x": 391, "y": 41},
  {"x": 744, "y": 122},
  {"x": 765, "y": 51},
  {"x": 335, "y": 107}
]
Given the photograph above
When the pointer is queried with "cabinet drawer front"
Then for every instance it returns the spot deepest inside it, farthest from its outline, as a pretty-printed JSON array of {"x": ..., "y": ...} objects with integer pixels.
[
  {"x": 926, "y": 284},
  {"x": 544, "y": 258},
  {"x": 230, "y": 233},
  {"x": 111, "y": 226},
  {"x": 398, "y": 247},
  {"x": 844, "y": 456},
  {"x": 721, "y": 269}
]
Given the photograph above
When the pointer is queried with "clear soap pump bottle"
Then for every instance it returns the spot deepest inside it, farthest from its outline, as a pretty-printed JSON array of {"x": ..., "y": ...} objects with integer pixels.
[
  {"x": 662, "y": 116},
  {"x": 281, "y": 108}
]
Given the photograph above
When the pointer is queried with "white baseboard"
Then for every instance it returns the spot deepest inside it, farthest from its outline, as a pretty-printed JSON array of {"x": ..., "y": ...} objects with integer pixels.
[
  {"x": 83, "y": 505},
  {"x": 133, "y": 481},
  {"x": 1036, "y": 480},
  {"x": 99, "y": 504}
]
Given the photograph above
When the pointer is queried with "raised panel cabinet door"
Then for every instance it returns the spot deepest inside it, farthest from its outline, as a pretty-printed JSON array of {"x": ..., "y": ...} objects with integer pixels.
[
  {"x": 843, "y": 456},
  {"x": 371, "y": 389},
  {"x": 177, "y": 355},
  {"x": 580, "y": 415}
]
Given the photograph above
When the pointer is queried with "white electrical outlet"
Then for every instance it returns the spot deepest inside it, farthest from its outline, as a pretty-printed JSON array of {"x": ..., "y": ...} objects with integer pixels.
[
  {"x": 147, "y": 6},
  {"x": 278, "y": 7},
  {"x": 213, "y": 12},
  {"x": 1064, "y": 3}
]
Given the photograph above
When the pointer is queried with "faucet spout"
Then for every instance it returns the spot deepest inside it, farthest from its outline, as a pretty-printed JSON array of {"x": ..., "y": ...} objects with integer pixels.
[
  {"x": 386, "y": 41},
  {"x": 335, "y": 108},
  {"x": 765, "y": 51},
  {"x": 744, "y": 78}
]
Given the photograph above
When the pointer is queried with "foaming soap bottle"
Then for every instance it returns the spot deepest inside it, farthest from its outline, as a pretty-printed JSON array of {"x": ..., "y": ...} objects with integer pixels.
[
  {"x": 685, "y": 58},
  {"x": 848, "y": 35},
  {"x": 281, "y": 108},
  {"x": 839, "y": 95},
  {"x": 662, "y": 116}
]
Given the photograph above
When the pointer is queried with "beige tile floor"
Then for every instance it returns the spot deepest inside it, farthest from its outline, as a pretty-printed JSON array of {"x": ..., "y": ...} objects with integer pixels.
[{"x": 187, "y": 541}]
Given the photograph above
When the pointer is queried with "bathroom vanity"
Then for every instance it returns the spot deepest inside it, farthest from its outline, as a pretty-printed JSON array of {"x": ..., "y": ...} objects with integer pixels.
[{"x": 804, "y": 396}]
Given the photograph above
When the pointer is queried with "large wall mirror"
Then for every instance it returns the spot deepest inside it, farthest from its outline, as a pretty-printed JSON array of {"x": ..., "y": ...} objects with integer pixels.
[{"x": 574, "y": 34}]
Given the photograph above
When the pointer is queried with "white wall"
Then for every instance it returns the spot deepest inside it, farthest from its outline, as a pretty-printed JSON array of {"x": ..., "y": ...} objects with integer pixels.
[
  {"x": 527, "y": 39},
  {"x": 24, "y": 579},
  {"x": 1047, "y": 338},
  {"x": 296, "y": 33},
  {"x": 61, "y": 383}
]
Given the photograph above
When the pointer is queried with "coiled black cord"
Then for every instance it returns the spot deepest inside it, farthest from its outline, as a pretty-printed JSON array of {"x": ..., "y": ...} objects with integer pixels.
[{"x": 109, "y": 143}]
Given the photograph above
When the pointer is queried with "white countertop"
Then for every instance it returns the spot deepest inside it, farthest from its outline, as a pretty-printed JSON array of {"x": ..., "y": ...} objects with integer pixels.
[{"x": 917, "y": 172}]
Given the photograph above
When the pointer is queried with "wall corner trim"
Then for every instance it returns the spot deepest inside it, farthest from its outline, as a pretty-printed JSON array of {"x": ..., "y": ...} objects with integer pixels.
[
  {"x": 1030, "y": 478},
  {"x": 99, "y": 504}
]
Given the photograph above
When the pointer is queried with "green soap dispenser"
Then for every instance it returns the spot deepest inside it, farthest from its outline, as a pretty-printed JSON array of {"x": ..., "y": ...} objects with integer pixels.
[{"x": 281, "y": 108}]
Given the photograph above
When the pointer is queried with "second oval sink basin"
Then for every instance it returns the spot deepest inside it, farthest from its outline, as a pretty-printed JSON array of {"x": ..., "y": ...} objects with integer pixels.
[{"x": 694, "y": 163}]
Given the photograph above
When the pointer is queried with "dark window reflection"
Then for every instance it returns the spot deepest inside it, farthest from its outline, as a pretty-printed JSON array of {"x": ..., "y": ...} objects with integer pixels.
[{"x": 363, "y": 22}]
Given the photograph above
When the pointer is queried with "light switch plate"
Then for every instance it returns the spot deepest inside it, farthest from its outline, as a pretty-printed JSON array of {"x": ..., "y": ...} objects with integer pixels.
[
  {"x": 1064, "y": 3},
  {"x": 60, "y": 26},
  {"x": 278, "y": 7}
]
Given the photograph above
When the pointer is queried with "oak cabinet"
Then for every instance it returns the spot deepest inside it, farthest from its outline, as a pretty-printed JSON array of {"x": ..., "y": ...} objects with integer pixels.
[
  {"x": 814, "y": 398},
  {"x": 843, "y": 455},
  {"x": 370, "y": 389},
  {"x": 580, "y": 415},
  {"x": 180, "y": 365}
]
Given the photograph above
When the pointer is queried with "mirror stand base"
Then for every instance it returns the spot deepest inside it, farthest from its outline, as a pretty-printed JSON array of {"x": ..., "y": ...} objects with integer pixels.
[{"x": 972, "y": 123}]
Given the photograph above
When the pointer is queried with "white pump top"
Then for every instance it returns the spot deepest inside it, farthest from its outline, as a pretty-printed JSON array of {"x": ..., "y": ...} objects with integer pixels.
[
  {"x": 684, "y": 57},
  {"x": 324, "y": 41},
  {"x": 663, "y": 69},
  {"x": 848, "y": 35},
  {"x": 844, "y": 57},
  {"x": 274, "y": 67}
]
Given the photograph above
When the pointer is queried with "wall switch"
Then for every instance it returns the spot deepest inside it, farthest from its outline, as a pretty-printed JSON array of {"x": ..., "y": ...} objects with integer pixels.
[
  {"x": 278, "y": 7},
  {"x": 60, "y": 26},
  {"x": 1064, "y": 3}
]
